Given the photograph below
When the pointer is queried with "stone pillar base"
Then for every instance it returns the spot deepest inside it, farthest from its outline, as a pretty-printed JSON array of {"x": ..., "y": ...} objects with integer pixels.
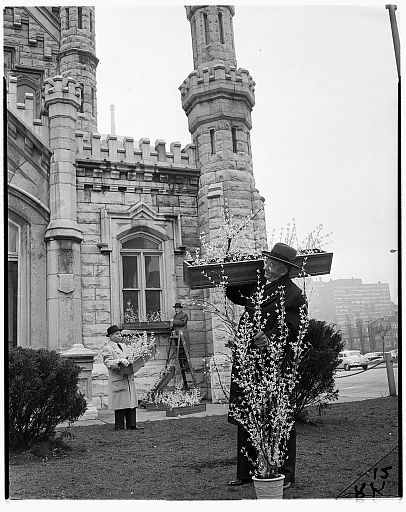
[{"x": 91, "y": 412}]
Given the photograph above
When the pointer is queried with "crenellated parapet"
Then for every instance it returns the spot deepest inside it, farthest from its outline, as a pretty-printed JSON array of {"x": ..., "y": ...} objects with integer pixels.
[
  {"x": 63, "y": 90},
  {"x": 221, "y": 85},
  {"x": 25, "y": 111},
  {"x": 126, "y": 150},
  {"x": 217, "y": 73}
]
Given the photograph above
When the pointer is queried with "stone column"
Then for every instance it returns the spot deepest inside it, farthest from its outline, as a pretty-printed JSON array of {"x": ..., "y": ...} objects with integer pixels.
[{"x": 63, "y": 236}]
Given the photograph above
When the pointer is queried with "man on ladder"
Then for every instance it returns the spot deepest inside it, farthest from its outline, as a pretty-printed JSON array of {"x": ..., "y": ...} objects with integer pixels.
[{"x": 179, "y": 335}]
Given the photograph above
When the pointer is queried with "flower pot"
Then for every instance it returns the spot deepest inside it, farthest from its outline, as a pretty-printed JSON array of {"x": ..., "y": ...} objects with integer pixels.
[
  {"x": 210, "y": 274},
  {"x": 269, "y": 488},
  {"x": 187, "y": 409},
  {"x": 314, "y": 264}
]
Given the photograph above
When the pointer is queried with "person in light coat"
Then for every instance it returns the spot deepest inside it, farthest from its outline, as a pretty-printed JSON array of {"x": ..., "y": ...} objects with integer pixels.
[{"x": 122, "y": 392}]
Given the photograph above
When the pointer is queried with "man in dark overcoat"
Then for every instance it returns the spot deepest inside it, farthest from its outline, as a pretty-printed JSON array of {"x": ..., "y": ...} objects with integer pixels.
[{"x": 277, "y": 265}]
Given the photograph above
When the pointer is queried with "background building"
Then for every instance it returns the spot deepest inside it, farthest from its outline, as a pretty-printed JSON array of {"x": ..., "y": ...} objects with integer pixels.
[{"x": 359, "y": 310}]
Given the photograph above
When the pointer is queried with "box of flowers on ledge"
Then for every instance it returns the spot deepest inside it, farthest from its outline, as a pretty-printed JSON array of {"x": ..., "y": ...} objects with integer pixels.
[{"x": 154, "y": 322}]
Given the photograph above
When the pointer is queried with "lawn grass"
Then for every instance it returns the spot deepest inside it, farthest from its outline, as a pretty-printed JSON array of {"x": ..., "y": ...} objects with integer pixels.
[{"x": 193, "y": 458}]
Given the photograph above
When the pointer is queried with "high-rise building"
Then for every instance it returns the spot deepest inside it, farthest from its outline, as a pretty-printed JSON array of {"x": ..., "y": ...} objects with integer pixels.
[{"x": 354, "y": 307}]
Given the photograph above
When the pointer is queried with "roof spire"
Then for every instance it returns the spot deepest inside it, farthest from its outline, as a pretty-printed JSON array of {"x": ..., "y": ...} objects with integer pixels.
[{"x": 112, "y": 120}]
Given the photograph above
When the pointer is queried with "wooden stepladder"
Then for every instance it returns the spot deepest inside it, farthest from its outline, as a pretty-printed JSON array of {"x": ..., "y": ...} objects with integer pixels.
[
  {"x": 179, "y": 357},
  {"x": 174, "y": 363}
]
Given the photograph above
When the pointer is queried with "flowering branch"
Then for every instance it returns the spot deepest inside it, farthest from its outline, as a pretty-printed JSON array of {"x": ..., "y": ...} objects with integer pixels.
[
  {"x": 179, "y": 398},
  {"x": 138, "y": 345},
  {"x": 267, "y": 377},
  {"x": 314, "y": 242},
  {"x": 233, "y": 241}
]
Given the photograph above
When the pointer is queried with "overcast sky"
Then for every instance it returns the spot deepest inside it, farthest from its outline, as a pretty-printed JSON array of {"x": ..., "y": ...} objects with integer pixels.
[{"x": 324, "y": 136}]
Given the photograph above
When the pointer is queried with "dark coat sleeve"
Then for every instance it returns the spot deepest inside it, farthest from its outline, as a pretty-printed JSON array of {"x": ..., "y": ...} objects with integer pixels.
[{"x": 239, "y": 294}]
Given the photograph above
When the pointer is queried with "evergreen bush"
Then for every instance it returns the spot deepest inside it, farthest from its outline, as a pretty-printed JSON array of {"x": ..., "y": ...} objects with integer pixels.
[
  {"x": 316, "y": 385},
  {"x": 42, "y": 393}
]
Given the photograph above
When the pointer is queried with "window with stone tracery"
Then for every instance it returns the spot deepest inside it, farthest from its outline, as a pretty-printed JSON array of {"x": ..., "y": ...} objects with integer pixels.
[{"x": 141, "y": 259}]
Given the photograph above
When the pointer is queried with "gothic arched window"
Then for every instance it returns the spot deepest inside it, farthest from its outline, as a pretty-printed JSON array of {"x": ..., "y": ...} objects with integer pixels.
[{"x": 141, "y": 261}]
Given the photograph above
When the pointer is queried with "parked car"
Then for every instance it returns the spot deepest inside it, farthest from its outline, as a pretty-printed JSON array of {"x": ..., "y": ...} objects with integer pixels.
[
  {"x": 352, "y": 359},
  {"x": 394, "y": 355},
  {"x": 375, "y": 357}
]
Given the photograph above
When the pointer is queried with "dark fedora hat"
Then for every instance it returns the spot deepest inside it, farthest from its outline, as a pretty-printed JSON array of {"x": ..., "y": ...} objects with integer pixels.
[
  {"x": 282, "y": 253},
  {"x": 112, "y": 329},
  {"x": 178, "y": 305}
]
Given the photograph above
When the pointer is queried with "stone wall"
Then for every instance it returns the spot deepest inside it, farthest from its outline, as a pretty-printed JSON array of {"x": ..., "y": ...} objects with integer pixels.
[
  {"x": 138, "y": 187},
  {"x": 31, "y": 39}
]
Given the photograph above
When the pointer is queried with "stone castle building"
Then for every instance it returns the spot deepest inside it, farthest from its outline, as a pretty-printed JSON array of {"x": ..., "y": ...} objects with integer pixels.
[{"x": 99, "y": 227}]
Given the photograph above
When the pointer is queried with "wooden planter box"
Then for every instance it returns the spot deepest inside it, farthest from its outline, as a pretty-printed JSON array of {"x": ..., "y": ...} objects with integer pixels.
[
  {"x": 189, "y": 409},
  {"x": 151, "y": 406},
  {"x": 133, "y": 367},
  {"x": 244, "y": 272},
  {"x": 155, "y": 327},
  {"x": 240, "y": 272},
  {"x": 316, "y": 264},
  {"x": 137, "y": 364}
]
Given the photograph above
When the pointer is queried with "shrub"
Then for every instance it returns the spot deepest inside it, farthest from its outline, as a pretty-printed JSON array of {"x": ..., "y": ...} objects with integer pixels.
[
  {"x": 316, "y": 385},
  {"x": 42, "y": 393}
]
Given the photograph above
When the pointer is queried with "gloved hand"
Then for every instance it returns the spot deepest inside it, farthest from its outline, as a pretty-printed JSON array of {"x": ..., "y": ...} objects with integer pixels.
[
  {"x": 124, "y": 362},
  {"x": 261, "y": 340}
]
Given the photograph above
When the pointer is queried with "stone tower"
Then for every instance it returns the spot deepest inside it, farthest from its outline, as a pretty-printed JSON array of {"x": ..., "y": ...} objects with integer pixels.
[
  {"x": 218, "y": 99},
  {"x": 77, "y": 59}
]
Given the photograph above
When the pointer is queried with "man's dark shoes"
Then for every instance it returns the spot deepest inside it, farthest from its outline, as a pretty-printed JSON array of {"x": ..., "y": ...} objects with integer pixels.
[
  {"x": 135, "y": 428},
  {"x": 239, "y": 481}
]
